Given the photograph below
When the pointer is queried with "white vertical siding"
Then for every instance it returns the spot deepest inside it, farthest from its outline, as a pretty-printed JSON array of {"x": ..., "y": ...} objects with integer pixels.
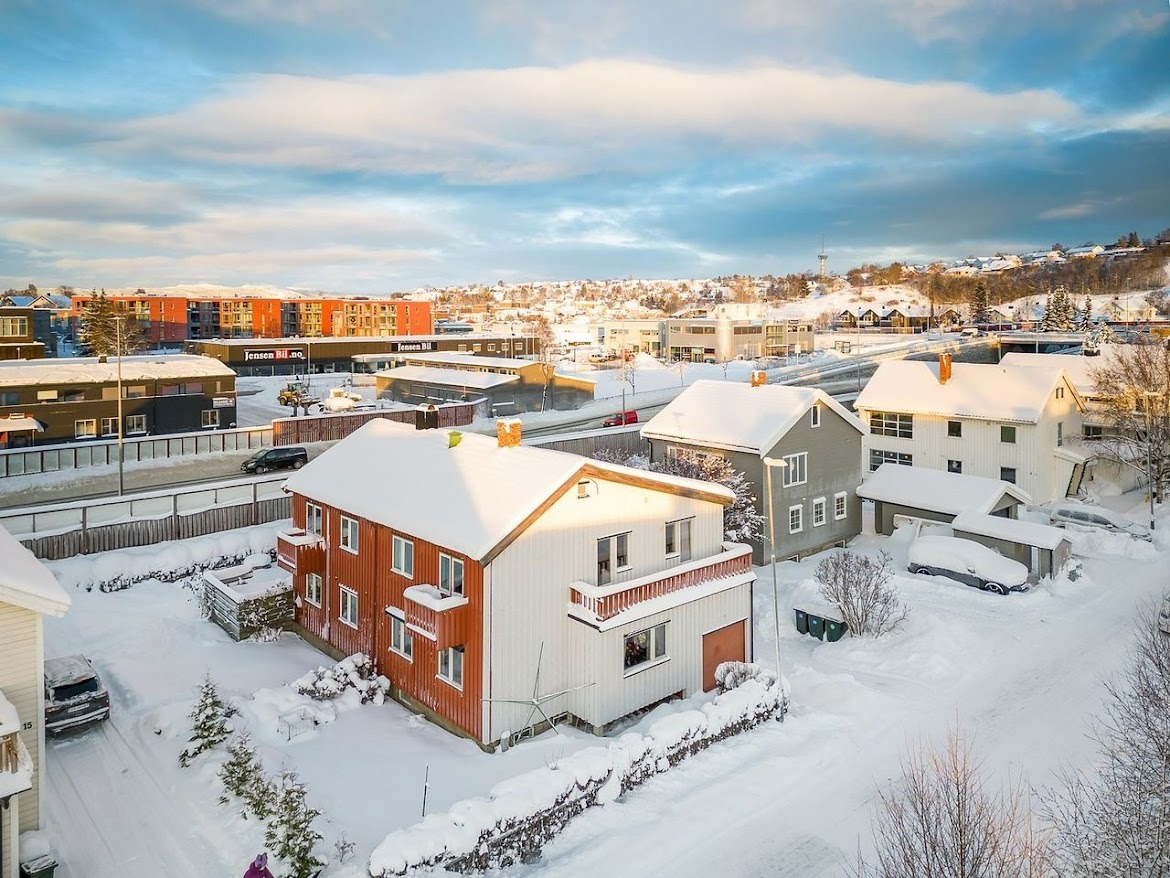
[
  {"x": 21, "y": 681},
  {"x": 529, "y": 586}
]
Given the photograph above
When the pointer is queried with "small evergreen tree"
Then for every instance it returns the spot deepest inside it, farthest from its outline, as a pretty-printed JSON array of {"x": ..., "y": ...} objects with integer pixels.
[
  {"x": 1048, "y": 321},
  {"x": 979, "y": 303},
  {"x": 1085, "y": 321},
  {"x": 209, "y": 725},
  {"x": 741, "y": 520},
  {"x": 243, "y": 776},
  {"x": 290, "y": 834}
]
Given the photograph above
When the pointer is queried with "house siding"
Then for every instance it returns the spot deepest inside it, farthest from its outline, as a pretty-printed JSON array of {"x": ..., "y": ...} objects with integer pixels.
[{"x": 21, "y": 661}]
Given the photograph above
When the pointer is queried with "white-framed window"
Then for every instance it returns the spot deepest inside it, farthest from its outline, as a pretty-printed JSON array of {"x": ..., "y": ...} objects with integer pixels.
[
  {"x": 450, "y": 575},
  {"x": 644, "y": 646},
  {"x": 85, "y": 428},
  {"x": 209, "y": 418},
  {"x": 349, "y": 534},
  {"x": 840, "y": 505},
  {"x": 795, "y": 469},
  {"x": 402, "y": 556},
  {"x": 891, "y": 424},
  {"x": 313, "y": 519},
  {"x": 401, "y": 640},
  {"x": 819, "y": 511},
  {"x": 877, "y": 457},
  {"x": 795, "y": 519},
  {"x": 613, "y": 554},
  {"x": 109, "y": 426},
  {"x": 135, "y": 424},
  {"x": 349, "y": 607},
  {"x": 313, "y": 588},
  {"x": 451, "y": 666},
  {"x": 678, "y": 539},
  {"x": 815, "y": 415}
]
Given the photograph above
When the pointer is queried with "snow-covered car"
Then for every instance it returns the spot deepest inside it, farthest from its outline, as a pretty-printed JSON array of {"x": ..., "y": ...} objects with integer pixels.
[
  {"x": 1077, "y": 515},
  {"x": 74, "y": 693},
  {"x": 967, "y": 562}
]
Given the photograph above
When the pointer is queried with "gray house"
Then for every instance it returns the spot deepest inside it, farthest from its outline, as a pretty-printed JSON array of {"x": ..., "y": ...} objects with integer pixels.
[{"x": 813, "y": 441}]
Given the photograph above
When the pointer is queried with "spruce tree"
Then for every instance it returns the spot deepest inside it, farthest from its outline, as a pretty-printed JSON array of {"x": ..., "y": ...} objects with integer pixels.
[
  {"x": 1048, "y": 321},
  {"x": 243, "y": 776},
  {"x": 290, "y": 834},
  {"x": 979, "y": 303},
  {"x": 108, "y": 329},
  {"x": 209, "y": 725},
  {"x": 1085, "y": 322}
]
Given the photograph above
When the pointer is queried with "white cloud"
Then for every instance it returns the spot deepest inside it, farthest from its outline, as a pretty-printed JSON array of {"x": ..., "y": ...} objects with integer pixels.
[{"x": 533, "y": 123}]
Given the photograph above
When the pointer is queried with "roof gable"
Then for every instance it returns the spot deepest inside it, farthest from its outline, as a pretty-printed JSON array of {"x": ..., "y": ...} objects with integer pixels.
[{"x": 26, "y": 582}]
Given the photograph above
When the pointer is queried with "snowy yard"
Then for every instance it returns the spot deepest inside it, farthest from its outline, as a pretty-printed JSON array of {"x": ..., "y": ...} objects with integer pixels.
[{"x": 1020, "y": 673}]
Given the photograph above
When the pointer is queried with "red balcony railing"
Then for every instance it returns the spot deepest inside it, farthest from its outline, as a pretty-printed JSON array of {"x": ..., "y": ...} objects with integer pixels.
[
  {"x": 300, "y": 552},
  {"x": 606, "y": 601},
  {"x": 442, "y": 618}
]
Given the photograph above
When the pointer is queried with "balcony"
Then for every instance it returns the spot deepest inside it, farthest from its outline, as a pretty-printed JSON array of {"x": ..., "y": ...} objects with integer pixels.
[
  {"x": 597, "y": 604},
  {"x": 436, "y": 616},
  {"x": 16, "y": 765},
  {"x": 298, "y": 551}
]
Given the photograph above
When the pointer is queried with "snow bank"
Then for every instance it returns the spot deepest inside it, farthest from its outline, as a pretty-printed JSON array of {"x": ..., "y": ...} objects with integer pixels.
[{"x": 523, "y": 813}]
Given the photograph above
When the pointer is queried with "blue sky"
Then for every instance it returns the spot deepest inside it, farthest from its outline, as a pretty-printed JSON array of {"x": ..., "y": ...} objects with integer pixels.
[{"x": 380, "y": 145}]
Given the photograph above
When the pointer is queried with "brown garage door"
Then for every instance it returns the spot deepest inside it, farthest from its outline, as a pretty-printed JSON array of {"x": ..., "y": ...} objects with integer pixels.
[{"x": 722, "y": 645}]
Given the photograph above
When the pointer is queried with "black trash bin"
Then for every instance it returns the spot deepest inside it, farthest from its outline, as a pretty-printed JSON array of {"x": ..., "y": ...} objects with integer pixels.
[
  {"x": 801, "y": 621},
  {"x": 816, "y": 626},
  {"x": 834, "y": 629},
  {"x": 40, "y": 867}
]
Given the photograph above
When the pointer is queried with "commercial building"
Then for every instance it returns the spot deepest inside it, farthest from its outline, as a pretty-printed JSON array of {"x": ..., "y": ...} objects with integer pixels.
[
  {"x": 77, "y": 399},
  {"x": 717, "y": 340}
]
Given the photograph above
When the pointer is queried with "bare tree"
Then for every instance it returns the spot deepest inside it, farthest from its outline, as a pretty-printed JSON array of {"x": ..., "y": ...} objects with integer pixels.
[
  {"x": 680, "y": 368},
  {"x": 1114, "y": 821},
  {"x": 545, "y": 340},
  {"x": 943, "y": 819},
  {"x": 1132, "y": 397},
  {"x": 859, "y": 586}
]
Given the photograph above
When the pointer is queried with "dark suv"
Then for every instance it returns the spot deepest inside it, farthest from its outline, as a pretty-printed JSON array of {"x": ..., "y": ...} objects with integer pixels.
[
  {"x": 290, "y": 456},
  {"x": 74, "y": 693}
]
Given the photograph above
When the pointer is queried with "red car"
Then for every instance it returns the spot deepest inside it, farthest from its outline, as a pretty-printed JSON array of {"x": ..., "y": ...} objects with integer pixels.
[{"x": 620, "y": 419}]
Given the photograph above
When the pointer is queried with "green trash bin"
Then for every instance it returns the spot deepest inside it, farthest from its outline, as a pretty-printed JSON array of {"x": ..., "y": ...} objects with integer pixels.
[
  {"x": 801, "y": 621},
  {"x": 40, "y": 867},
  {"x": 834, "y": 629},
  {"x": 816, "y": 626}
]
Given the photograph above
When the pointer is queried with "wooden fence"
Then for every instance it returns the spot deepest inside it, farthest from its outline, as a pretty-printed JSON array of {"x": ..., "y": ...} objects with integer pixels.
[{"x": 331, "y": 427}]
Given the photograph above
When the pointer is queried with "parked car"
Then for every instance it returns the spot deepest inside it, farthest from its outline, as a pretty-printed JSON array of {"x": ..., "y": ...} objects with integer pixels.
[
  {"x": 285, "y": 457},
  {"x": 1064, "y": 514},
  {"x": 620, "y": 419},
  {"x": 74, "y": 693},
  {"x": 967, "y": 562}
]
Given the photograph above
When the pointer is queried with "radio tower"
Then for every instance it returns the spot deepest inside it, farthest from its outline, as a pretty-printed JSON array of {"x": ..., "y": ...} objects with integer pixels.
[{"x": 823, "y": 258}]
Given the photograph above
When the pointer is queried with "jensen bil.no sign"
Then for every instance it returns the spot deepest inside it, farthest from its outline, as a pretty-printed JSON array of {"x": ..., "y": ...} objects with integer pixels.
[
  {"x": 222, "y": 402},
  {"x": 273, "y": 354}
]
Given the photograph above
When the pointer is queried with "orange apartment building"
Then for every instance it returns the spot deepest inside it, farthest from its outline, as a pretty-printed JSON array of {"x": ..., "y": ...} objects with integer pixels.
[{"x": 172, "y": 320}]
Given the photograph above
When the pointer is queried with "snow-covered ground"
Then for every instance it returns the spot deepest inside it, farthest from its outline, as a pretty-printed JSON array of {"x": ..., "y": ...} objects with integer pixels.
[{"x": 1021, "y": 674}]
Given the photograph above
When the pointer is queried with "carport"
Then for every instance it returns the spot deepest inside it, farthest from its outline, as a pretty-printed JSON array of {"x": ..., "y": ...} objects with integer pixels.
[
  {"x": 913, "y": 493},
  {"x": 1043, "y": 549}
]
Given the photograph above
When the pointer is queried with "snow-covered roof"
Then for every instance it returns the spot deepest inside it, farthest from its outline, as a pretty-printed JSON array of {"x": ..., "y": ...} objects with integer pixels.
[
  {"x": 9, "y": 424},
  {"x": 1028, "y": 533},
  {"x": 26, "y": 582},
  {"x": 326, "y": 341},
  {"x": 84, "y": 370},
  {"x": 1078, "y": 368},
  {"x": 455, "y": 377},
  {"x": 471, "y": 498},
  {"x": 474, "y": 361},
  {"x": 988, "y": 391},
  {"x": 738, "y": 417},
  {"x": 936, "y": 490}
]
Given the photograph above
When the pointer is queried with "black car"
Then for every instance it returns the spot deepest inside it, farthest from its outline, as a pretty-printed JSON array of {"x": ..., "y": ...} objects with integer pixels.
[
  {"x": 288, "y": 457},
  {"x": 74, "y": 693}
]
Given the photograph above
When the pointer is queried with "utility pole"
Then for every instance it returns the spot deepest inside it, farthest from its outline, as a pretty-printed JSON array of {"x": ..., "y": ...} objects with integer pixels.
[
  {"x": 121, "y": 427},
  {"x": 769, "y": 463}
]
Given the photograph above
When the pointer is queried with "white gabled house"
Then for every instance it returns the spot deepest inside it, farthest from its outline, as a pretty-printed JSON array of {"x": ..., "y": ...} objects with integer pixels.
[
  {"x": 988, "y": 420},
  {"x": 28, "y": 592},
  {"x": 480, "y": 573}
]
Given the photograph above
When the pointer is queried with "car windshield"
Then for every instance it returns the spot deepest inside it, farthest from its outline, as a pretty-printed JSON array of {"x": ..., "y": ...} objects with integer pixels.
[
  {"x": 72, "y": 690},
  {"x": 257, "y": 456}
]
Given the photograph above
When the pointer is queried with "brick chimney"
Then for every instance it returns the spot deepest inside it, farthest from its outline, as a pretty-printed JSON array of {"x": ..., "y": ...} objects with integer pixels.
[
  {"x": 759, "y": 377},
  {"x": 508, "y": 432},
  {"x": 944, "y": 368},
  {"x": 426, "y": 417}
]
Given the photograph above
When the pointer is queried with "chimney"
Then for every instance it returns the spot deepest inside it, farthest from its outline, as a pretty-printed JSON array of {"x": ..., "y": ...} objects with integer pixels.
[
  {"x": 508, "y": 432},
  {"x": 759, "y": 377},
  {"x": 426, "y": 417},
  {"x": 944, "y": 368}
]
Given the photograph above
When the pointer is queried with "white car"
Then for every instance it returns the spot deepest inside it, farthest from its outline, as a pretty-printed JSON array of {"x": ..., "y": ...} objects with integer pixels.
[
  {"x": 967, "y": 562},
  {"x": 1078, "y": 515}
]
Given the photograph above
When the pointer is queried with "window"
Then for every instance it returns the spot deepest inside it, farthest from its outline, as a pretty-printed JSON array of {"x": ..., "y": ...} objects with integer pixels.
[
  {"x": 820, "y": 511},
  {"x": 168, "y": 390},
  {"x": 134, "y": 391},
  {"x": 815, "y": 415},
  {"x": 349, "y": 534},
  {"x": 645, "y": 646},
  {"x": 9, "y": 399},
  {"x": 1008, "y": 474},
  {"x": 109, "y": 426},
  {"x": 840, "y": 505},
  {"x": 349, "y": 607},
  {"x": 402, "y": 560},
  {"x": 1090, "y": 431},
  {"x": 678, "y": 539},
  {"x": 210, "y": 418},
  {"x": 877, "y": 457},
  {"x": 1060, "y": 393},
  {"x": 135, "y": 424},
  {"x": 191, "y": 388},
  {"x": 1007, "y": 434},
  {"x": 85, "y": 429},
  {"x": 891, "y": 424},
  {"x": 110, "y": 392},
  {"x": 11, "y": 327},
  {"x": 795, "y": 519},
  {"x": 1059, "y": 433},
  {"x": 451, "y": 666},
  {"x": 955, "y": 466},
  {"x": 612, "y": 554},
  {"x": 46, "y": 396},
  {"x": 313, "y": 518},
  {"x": 401, "y": 640},
  {"x": 450, "y": 575},
  {"x": 955, "y": 428},
  {"x": 796, "y": 469},
  {"x": 73, "y": 396},
  {"x": 582, "y": 489},
  {"x": 313, "y": 588}
]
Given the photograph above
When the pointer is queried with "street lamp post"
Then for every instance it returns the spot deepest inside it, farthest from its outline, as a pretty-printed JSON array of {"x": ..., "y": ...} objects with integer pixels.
[
  {"x": 769, "y": 463},
  {"x": 1148, "y": 395},
  {"x": 121, "y": 430},
  {"x": 857, "y": 353}
]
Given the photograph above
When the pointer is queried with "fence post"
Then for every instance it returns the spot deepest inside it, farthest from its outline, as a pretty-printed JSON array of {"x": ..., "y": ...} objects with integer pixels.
[
  {"x": 84, "y": 529},
  {"x": 175, "y": 516},
  {"x": 255, "y": 511}
]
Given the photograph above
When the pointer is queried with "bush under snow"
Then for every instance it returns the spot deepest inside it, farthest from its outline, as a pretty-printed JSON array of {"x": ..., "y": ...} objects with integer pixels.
[
  {"x": 355, "y": 673},
  {"x": 732, "y": 675}
]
